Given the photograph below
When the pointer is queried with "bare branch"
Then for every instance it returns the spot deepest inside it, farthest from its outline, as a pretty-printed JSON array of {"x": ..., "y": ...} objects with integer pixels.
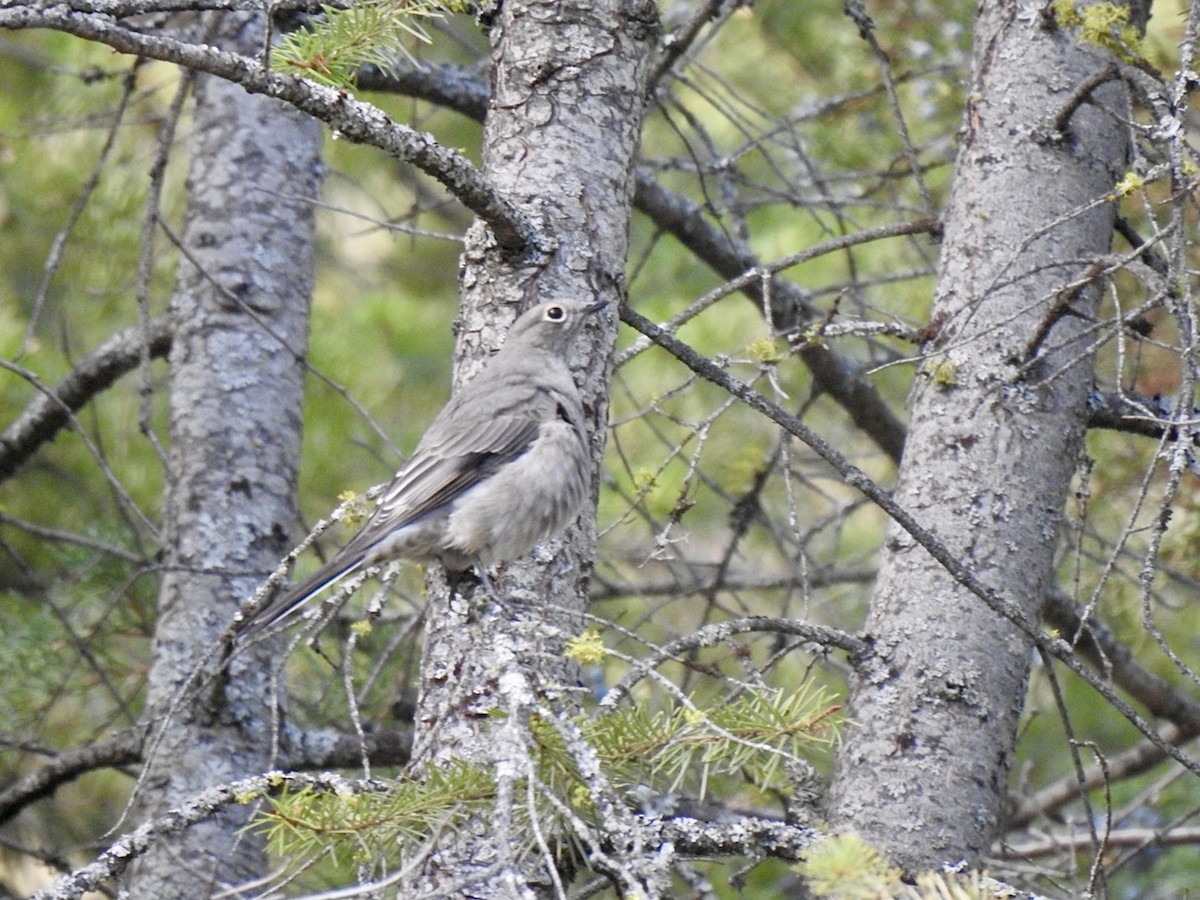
[
  {"x": 352, "y": 119},
  {"x": 120, "y": 9},
  {"x": 866, "y": 30},
  {"x": 605, "y": 587},
  {"x": 1124, "y": 765},
  {"x": 46, "y": 414},
  {"x": 743, "y": 837},
  {"x": 718, "y": 632},
  {"x": 463, "y": 90},
  {"x": 309, "y": 750},
  {"x": 123, "y": 750},
  {"x": 790, "y": 308},
  {"x": 1093, "y": 640},
  {"x": 58, "y": 245},
  {"x": 856, "y": 478},
  {"x": 302, "y": 751},
  {"x": 731, "y": 259},
  {"x": 1062, "y": 122},
  {"x": 123, "y": 851},
  {"x": 1059, "y": 842},
  {"x": 1096, "y": 643},
  {"x": 1150, "y": 417},
  {"x": 679, "y": 42},
  {"x": 70, "y": 537}
]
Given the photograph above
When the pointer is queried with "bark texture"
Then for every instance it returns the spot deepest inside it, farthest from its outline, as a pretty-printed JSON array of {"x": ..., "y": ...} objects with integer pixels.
[
  {"x": 997, "y": 420},
  {"x": 240, "y": 318},
  {"x": 561, "y": 134}
]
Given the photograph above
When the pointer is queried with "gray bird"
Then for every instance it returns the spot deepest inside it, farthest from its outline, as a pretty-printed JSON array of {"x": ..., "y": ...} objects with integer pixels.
[{"x": 503, "y": 466}]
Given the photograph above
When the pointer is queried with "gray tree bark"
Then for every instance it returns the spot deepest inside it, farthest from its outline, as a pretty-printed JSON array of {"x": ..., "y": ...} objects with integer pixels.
[
  {"x": 240, "y": 319},
  {"x": 561, "y": 134},
  {"x": 996, "y": 425}
]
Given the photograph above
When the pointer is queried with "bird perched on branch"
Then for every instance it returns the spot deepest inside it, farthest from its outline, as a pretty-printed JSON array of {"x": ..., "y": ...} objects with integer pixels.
[{"x": 504, "y": 465}]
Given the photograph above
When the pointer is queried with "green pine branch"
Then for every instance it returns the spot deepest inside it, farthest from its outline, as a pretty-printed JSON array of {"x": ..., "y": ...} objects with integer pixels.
[
  {"x": 359, "y": 827},
  {"x": 751, "y": 736},
  {"x": 373, "y": 31},
  {"x": 845, "y": 867}
]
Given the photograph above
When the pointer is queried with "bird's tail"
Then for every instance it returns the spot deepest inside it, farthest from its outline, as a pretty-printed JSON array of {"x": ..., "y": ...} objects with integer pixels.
[{"x": 289, "y": 602}]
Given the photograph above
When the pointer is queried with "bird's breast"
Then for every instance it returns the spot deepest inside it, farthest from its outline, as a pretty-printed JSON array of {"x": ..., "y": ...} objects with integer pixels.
[{"x": 526, "y": 500}]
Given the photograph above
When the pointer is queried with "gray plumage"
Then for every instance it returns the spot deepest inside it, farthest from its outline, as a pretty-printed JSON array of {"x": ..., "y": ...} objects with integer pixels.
[{"x": 503, "y": 466}]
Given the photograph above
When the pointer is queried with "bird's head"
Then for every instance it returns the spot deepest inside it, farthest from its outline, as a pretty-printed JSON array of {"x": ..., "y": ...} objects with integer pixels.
[{"x": 552, "y": 325}]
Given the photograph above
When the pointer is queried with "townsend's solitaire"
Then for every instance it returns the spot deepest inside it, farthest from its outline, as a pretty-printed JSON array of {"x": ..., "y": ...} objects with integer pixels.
[{"x": 504, "y": 465}]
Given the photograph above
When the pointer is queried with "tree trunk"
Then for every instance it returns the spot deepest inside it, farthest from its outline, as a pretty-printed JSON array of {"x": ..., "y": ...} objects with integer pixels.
[
  {"x": 997, "y": 419},
  {"x": 568, "y": 82},
  {"x": 240, "y": 312}
]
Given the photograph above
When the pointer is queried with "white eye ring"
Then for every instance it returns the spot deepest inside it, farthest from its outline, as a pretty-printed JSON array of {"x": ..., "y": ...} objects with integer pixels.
[{"x": 555, "y": 313}]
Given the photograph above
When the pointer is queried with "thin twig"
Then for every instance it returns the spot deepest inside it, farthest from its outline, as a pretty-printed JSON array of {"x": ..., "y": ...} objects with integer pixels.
[
  {"x": 856, "y": 478},
  {"x": 352, "y": 120}
]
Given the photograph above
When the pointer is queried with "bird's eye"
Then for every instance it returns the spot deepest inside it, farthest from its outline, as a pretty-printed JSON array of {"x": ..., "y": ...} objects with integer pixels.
[{"x": 555, "y": 313}]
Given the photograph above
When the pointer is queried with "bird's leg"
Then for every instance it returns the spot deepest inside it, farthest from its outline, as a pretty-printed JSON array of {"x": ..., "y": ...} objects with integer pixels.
[
  {"x": 455, "y": 577},
  {"x": 481, "y": 571}
]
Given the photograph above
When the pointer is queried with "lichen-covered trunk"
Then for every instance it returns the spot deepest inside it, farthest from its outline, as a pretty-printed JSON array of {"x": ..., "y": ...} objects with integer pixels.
[
  {"x": 240, "y": 314},
  {"x": 561, "y": 135},
  {"x": 997, "y": 417}
]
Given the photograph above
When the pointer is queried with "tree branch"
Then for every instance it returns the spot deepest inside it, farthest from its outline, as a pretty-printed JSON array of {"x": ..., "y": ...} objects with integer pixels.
[
  {"x": 309, "y": 750},
  {"x": 1151, "y": 417},
  {"x": 744, "y": 837},
  {"x": 789, "y": 308},
  {"x": 1059, "y": 842},
  {"x": 1093, "y": 641},
  {"x": 678, "y": 42},
  {"x": 47, "y": 413},
  {"x": 124, "y": 750},
  {"x": 1054, "y": 796},
  {"x": 1059, "y": 128},
  {"x": 448, "y": 86},
  {"x": 605, "y": 587},
  {"x": 717, "y": 632},
  {"x": 353, "y": 119},
  {"x": 454, "y": 87},
  {"x": 120, "y": 9},
  {"x": 854, "y": 477},
  {"x": 754, "y": 837},
  {"x": 123, "y": 851},
  {"x": 1112, "y": 660},
  {"x": 302, "y": 751}
]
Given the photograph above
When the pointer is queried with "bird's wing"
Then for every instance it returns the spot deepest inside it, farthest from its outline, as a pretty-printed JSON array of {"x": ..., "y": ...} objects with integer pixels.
[{"x": 447, "y": 463}]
